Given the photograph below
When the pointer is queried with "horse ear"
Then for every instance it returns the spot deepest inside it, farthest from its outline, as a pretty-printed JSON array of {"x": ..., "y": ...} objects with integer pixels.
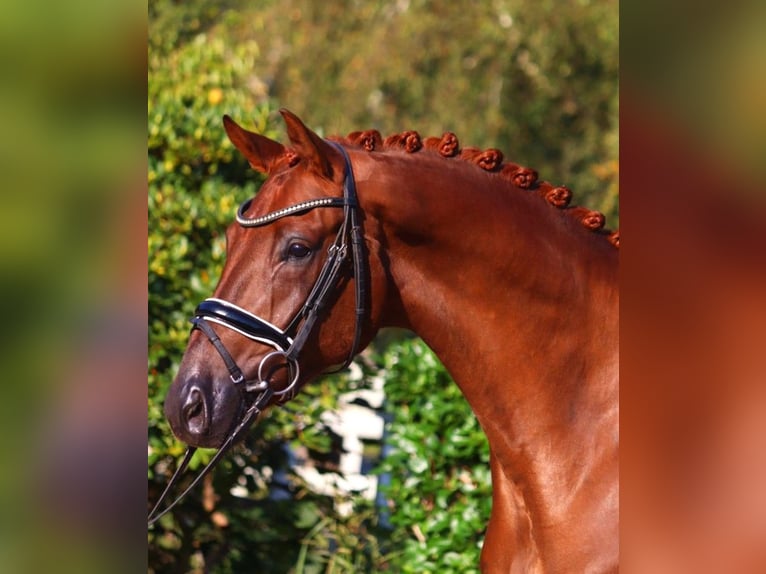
[
  {"x": 309, "y": 145},
  {"x": 260, "y": 151}
]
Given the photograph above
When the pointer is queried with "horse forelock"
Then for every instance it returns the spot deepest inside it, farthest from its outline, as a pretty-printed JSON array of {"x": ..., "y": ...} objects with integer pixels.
[{"x": 492, "y": 160}]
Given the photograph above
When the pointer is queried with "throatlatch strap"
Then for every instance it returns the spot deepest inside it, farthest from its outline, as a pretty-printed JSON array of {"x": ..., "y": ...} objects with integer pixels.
[{"x": 357, "y": 248}]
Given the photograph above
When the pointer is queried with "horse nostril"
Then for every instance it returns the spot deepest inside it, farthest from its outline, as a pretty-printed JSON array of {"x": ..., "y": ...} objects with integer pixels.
[{"x": 195, "y": 412}]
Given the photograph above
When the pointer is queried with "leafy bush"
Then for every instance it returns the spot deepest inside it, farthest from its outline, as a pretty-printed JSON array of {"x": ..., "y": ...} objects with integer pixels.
[
  {"x": 537, "y": 79},
  {"x": 437, "y": 467}
]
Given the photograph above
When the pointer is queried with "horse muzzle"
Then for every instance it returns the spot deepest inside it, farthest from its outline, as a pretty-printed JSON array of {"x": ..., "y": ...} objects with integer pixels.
[
  {"x": 203, "y": 407},
  {"x": 201, "y": 411}
]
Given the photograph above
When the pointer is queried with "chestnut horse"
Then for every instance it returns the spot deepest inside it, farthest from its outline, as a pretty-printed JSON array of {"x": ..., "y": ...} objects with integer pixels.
[{"x": 513, "y": 290}]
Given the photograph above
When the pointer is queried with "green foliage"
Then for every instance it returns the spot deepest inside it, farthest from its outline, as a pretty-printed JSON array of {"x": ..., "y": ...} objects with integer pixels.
[
  {"x": 538, "y": 80},
  {"x": 343, "y": 544},
  {"x": 438, "y": 467}
]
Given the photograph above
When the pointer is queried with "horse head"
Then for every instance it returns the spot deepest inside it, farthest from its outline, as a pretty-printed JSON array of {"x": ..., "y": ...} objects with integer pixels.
[{"x": 292, "y": 298}]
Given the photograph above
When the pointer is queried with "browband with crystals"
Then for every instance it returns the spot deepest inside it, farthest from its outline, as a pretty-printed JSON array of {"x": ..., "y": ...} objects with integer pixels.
[{"x": 292, "y": 210}]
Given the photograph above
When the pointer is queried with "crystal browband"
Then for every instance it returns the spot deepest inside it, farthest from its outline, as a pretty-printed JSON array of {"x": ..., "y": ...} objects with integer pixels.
[{"x": 292, "y": 210}]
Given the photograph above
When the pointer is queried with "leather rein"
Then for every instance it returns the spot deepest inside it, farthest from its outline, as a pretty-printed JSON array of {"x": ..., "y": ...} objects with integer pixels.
[{"x": 288, "y": 342}]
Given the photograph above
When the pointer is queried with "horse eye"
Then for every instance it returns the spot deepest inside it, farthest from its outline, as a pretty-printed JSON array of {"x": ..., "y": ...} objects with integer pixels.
[{"x": 298, "y": 251}]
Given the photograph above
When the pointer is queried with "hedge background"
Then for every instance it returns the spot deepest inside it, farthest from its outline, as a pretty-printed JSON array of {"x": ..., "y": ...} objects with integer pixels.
[{"x": 535, "y": 79}]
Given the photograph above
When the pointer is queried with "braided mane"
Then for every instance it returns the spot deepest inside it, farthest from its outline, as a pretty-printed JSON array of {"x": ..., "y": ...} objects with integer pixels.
[{"x": 491, "y": 160}]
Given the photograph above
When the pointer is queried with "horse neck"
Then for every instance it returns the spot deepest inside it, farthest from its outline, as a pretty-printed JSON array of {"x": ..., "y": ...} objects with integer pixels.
[{"x": 517, "y": 302}]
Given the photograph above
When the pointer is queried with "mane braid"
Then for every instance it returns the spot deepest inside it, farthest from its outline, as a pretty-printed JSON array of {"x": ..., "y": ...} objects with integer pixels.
[
  {"x": 448, "y": 146},
  {"x": 409, "y": 141}
]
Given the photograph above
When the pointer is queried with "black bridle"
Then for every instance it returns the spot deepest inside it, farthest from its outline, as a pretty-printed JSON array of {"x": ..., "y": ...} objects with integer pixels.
[{"x": 287, "y": 343}]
